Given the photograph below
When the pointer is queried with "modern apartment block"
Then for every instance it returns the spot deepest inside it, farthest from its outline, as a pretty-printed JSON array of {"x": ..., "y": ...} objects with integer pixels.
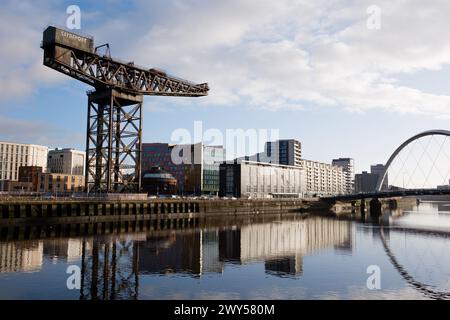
[
  {"x": 212, "y": 157},
  {"x": 323, "y": 179},
  {"x": 285, "y": 152},
  {"x": 15, "y": 155},
  {"x": 195, "y": 166},
  {"x": 251, "y": 179},
  {"x": 348, "y": 165},
  {"x": 66, "y": 161}
]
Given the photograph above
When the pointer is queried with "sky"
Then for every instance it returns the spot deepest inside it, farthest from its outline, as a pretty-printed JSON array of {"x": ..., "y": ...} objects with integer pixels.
[{"x": 317, "y": 71}]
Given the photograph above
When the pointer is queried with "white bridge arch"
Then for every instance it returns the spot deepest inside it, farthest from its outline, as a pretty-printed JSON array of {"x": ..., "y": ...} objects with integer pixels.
[{"x": 403, "y": 145}]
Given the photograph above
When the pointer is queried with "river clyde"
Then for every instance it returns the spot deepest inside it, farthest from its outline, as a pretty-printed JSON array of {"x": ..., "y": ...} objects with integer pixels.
[{"x": 280, "y": 256}]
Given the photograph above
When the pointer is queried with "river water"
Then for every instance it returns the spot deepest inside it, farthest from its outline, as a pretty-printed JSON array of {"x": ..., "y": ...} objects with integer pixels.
[{"x": 403, "y": 255}]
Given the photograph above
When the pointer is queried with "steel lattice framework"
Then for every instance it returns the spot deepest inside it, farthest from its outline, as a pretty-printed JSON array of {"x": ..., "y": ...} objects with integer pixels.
[
  {"x": 114, "y": 124},
  {"x": 113, "y": 140},
  {"x": 102, "y": 71}
]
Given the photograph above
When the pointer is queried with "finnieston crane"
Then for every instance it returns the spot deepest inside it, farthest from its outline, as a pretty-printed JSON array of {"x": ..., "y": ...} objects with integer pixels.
[{"x": 114, "y": 121}]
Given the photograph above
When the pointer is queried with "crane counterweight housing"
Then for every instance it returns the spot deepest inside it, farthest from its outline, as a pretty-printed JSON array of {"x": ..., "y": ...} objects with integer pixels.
[
  {"x": 56, "y": 36},
  {"x": 114, "y": 128}
]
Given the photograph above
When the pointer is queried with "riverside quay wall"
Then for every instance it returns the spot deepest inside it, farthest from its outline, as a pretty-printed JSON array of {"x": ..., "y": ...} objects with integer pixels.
[{"x": 27, "y": 211}]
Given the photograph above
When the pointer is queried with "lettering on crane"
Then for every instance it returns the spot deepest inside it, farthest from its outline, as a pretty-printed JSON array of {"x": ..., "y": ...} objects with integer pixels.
[{"x": 73, "y": 36}]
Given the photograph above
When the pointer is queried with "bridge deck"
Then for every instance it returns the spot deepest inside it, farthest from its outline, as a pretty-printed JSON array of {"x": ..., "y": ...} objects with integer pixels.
[{"x": 388, "y": 194}]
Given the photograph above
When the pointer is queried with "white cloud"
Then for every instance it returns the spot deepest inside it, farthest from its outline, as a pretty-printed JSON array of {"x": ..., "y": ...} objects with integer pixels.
[
  {"x": 285, "y": 54},
  {"x": 37, "y": 132},
  {"x": 21, "y": 27},
  {"x": 297, "y": 53}
]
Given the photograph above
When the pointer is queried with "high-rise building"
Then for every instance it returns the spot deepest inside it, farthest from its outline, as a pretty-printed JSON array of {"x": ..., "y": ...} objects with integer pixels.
[
  {"x": 15, "y": 155},
  {"x": 365, "y": 182},
  {"x": 66, "y": 161},
  {"x": 286, "y": 152},
  {"x": 348, "y": 165},
  {"x": 195, "y": 166},
  {"x": 378, "y": 169}
]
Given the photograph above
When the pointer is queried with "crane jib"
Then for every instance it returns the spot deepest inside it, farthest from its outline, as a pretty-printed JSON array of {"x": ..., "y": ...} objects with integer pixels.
[
  {"x": 114, "y": 115},
  {"x": 74, "y": 55}
]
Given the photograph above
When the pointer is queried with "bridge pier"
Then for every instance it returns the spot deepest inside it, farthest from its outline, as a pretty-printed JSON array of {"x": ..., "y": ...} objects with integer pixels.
[
  {"x": 353, "y": 203},
  {"x": 375, "y": 208},
  {"x": 362, "y": 207},
  {"x": 362, "y": 210}
]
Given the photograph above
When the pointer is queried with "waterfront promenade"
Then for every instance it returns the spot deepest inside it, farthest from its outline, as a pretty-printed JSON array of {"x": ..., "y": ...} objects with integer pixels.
[{"x": 29, "y": 210}]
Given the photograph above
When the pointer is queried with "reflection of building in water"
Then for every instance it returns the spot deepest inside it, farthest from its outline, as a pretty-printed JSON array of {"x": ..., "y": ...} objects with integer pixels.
[
  {"x": 210, "y": 252},
  {"x": 230, "y": 245},
  {"x": 21, "y": 257},
  {"x": 111, "y": 268},
  {"x": 278, "y": 241},
  {"x": 66, "y": 249},
  {"x": 194, "y": 252},
  {"x": 443, "y": 207},
  {"x": 292, "y": 266},
  {"x": 176, "y": 252}
]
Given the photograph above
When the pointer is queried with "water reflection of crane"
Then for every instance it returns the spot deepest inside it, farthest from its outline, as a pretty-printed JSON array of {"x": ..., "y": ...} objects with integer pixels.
[{"x": 110, "y": 271}]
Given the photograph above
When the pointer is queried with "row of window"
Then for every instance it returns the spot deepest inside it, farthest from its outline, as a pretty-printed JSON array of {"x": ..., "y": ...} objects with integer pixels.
[{"x": 275, "y": 189}]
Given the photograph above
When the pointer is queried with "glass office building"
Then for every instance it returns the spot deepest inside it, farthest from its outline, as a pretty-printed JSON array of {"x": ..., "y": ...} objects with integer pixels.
[{"x": 195, "y": 166}]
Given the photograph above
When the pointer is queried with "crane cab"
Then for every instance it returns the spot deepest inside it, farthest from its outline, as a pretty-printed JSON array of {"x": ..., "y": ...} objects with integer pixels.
[{"x": 57, "y": 44}]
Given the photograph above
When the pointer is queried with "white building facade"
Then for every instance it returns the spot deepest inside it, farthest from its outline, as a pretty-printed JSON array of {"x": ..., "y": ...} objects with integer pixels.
[
  {"x": 323, "y": 179},
  {"x": 66, "y": 161},
  {"x": 15, "y": 155},
  {"x": 249, "y": 179},
  {"x": 348, "y": 164}
]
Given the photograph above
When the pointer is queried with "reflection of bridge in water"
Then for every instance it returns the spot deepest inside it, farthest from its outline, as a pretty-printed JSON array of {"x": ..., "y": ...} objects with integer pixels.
[
  {"x": 393, "y": 223},
  {"x": 425, "y": 289}
]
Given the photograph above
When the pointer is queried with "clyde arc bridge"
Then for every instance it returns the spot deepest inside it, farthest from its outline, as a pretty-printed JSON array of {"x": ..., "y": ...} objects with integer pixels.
[{"x": 419, "y": 166}]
